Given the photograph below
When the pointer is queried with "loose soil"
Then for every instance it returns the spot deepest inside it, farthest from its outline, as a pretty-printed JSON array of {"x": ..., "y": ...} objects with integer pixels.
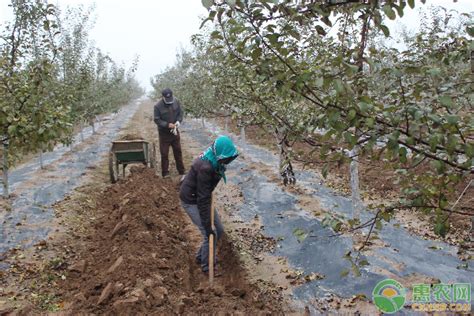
[{"x": 138, "y": 257}]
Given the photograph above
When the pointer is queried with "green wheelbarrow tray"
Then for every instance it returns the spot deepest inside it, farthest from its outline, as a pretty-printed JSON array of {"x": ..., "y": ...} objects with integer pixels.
[{"x": 125, "y": 152}]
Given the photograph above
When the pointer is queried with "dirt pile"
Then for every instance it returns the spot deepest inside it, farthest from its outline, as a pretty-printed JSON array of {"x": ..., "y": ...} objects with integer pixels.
[
  {"x": 131, "y": 137},
  {"x": 139, "y": 258}
]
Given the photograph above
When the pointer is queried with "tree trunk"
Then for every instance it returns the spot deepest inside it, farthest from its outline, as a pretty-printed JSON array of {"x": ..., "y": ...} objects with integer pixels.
[
  {"x": 203, "y": 123},
  {"x": 354, "y": 166},
  {"x": 82, "y": 132},
  {"x": 284, "y": 163},
  {"x": 472, "y": 228},
  {"x": 5, "y": 170},
  {"x": 354, "y": 173},
  {"x": 242, "y": 134},
  {"x": 41, "y": 159}
]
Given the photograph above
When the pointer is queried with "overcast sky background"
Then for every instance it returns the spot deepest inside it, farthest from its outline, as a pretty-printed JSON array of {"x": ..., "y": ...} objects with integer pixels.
[{"x": 156, "y": 29}]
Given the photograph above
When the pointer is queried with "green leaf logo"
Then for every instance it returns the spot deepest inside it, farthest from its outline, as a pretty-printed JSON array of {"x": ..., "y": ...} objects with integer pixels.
[{"x": 389, "y": 296}]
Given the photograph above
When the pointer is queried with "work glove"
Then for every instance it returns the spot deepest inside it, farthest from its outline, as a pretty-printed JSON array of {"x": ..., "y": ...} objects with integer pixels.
[{"x": 175, "y": 129}]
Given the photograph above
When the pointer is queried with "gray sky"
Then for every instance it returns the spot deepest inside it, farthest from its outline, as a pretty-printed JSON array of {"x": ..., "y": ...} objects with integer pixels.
[{"x": 156, "y": 29}]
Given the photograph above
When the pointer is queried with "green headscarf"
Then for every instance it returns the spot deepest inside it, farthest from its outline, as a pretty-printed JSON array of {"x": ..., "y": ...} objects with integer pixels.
[{"x": 222, "y": 148}]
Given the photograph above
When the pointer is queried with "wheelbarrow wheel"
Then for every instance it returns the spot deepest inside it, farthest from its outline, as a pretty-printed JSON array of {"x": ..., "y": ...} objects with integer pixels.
[{"x": 113, "y": 172}]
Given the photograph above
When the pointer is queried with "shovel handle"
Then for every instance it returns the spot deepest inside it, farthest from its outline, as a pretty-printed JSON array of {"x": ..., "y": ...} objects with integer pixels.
[
  {"x": 211, "y": 260},
  {"x": 211, "y": 245}
]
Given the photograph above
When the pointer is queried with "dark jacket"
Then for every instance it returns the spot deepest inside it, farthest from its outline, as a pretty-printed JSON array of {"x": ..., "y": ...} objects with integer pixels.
[
  {"x": 165, "y": 114},
  {"x": 197, "y": 188}
]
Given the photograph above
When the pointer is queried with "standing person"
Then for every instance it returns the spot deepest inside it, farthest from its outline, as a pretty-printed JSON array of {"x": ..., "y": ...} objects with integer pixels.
[
  {"x": 196, "y": 192},
  {"x": 168, "y": 115}
]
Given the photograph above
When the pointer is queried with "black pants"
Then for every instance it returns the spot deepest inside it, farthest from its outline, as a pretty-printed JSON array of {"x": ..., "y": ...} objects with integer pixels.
[{"x": 167, "y": 140}]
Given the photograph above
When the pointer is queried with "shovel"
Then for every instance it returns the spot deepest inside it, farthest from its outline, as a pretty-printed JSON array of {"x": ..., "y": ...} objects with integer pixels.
[{"x": 211, "y": 245}]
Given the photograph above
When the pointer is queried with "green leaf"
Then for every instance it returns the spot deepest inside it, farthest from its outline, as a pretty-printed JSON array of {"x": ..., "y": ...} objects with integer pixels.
[
  {"x": 378, "y": 225},
  {"x": 320, "y": 30},
  {"x": 446, "y": 100},
  {"x": 385, "y": 30},
  {"x": 402, "y": 154},
  {"x": 300, "y": 234},
  {"x": 386, "y": 216},
  {"x": 339, "y": 86},
  {"x": 216, "y": 35},
  {"x": 324, "y": 171},
  {"x": 336, "y": 225},
  {"x": 344, "y": 273},
  {"x": 351, "y": 115},
  {"x": 11, "y": 129},
  {"x": 411, "y": 3},
  {"x": 469, "y": 150},
  {"x": 370, "y": 122},
  {"x": 364, "y": 263},
  {"x": 441, "y": 228},
  {"x": 452, "y": 119},
  {"x": 320, "y": 82},
  {"x": 207, "y": 3},
  {"x": 352, "y": 69},
  {"x": 351, "y": 139},
  {"x": 399, "y": 10},
  {"x": 387, "y": 9},
  {"x": 356, "y": 270},
  {"x": 439, "y": 166},
  {"x": 470, "y": 30},
  {"x": 256, "y": 53},
  {"x": 273, "y": 38}
]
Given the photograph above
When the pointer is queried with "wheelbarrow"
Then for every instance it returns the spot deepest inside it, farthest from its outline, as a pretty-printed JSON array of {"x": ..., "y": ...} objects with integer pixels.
[{"x": 126, "y": 152}]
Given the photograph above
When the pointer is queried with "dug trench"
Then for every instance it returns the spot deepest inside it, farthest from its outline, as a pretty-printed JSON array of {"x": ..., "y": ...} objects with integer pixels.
[{"x": 138, "y": 257}]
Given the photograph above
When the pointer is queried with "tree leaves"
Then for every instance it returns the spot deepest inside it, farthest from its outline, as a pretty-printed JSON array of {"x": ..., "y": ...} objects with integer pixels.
[
  {"x": 277, "y": 67},
  {"x": 387, "y": 9},
  {"x": 446, "y": 101},
  {"x": 207, "y": 3},
  {"x": 470, "y": 30},
  {"x": 320, "y": 30},
  {"x": 385, "y": 30},
  {"x": 52, "y": 82},
  {"x": 300, "y": 234}
]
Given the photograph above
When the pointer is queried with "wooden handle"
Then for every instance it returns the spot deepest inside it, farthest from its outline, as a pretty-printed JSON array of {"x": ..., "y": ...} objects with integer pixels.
[
  {"x": 211, "y": 245},
  {"x": 212, "y": 212},
  {"x": 211, "y": 260}
]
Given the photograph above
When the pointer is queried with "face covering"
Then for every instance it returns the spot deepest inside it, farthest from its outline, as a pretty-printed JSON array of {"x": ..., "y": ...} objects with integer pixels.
[{"x": 222, "y": 150}]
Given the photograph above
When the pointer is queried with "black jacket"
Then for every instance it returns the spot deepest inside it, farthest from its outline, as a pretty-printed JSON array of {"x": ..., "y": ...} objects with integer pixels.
[
  {"x": 197, "y": 188},
  {"x": 167, "y": 113}
]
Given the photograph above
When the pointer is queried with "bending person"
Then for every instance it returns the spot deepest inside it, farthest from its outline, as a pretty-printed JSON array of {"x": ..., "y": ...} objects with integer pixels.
[{"x": 196, "y": 192}]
